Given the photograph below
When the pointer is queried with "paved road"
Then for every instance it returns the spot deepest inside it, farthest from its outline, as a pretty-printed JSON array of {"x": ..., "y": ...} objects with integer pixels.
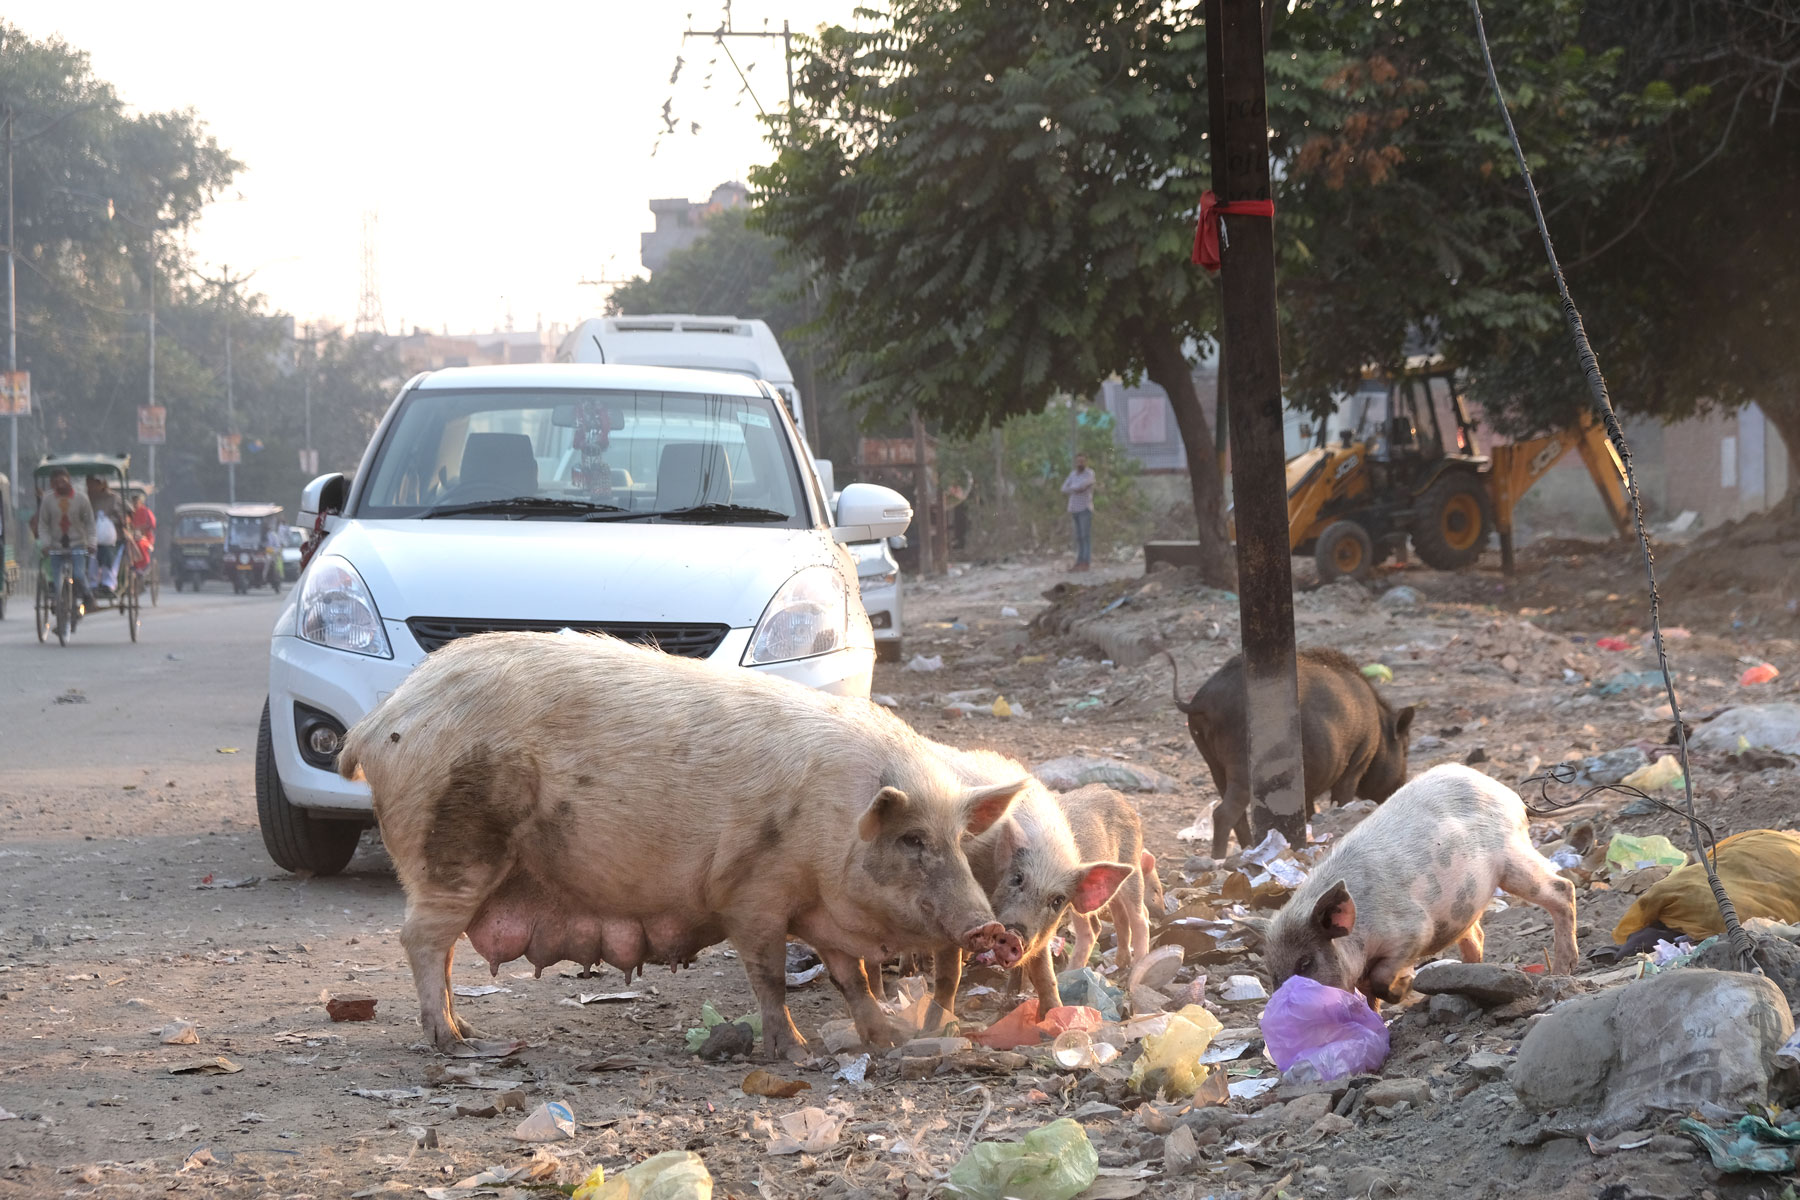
[{"x": 192, "y": 683}]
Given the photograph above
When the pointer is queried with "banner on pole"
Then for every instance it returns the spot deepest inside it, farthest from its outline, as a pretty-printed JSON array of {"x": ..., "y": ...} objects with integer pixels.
[
  {"x": 152, "y": 425},
  {"x": 229, "y": 448},
  {"x": 15, "y": 393}
]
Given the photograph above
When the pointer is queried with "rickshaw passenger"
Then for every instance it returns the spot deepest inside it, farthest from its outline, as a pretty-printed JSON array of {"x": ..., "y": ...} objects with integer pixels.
[
  {"x": 65, "y": 525},
  {"x": 143, "y": 530},
  {"x": 109, "y": 535}
]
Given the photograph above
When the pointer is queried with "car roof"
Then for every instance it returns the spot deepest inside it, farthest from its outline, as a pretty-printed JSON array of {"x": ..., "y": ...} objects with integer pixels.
[{"x": 591, "y": 375}]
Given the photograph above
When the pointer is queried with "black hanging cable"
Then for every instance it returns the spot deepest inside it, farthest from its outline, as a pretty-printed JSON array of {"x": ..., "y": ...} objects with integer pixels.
[{"x": 1590, "y": 367}]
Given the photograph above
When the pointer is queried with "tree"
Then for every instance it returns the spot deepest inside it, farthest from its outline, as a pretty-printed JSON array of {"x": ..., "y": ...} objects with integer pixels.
[
  {"x": 97, "y": 194},
  {"x": 1668, "y": 158},
  {"x": 1000, "y": 201}
]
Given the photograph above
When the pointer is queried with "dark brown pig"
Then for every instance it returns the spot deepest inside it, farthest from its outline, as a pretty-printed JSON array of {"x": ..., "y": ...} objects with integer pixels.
[
  {"x": 581, "y": 799},
  {"x": 1413, "y": 878},
  {"x": 1353, "y": 742}
]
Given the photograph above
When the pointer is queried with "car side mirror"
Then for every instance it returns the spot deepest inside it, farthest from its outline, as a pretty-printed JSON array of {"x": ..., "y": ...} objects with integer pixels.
[
  {"x": 867, "y": 512},
  {"x": 324, "y": 495}
]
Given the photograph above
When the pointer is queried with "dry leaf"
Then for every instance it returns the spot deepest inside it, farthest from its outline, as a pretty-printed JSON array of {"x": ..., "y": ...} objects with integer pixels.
[{"x": 762, "y": 1083}]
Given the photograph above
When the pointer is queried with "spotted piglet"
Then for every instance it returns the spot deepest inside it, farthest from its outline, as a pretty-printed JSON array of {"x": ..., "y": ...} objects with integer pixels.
[{"x": 1413, "y": 879}]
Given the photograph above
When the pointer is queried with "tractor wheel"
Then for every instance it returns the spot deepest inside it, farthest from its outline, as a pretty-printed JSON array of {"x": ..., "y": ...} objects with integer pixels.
[
  {"x": 1344, "y": 550},
  {"x": 1452, "y": 530}
]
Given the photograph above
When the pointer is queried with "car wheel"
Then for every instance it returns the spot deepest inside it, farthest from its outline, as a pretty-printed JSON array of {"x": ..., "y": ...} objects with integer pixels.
[{"x": 295, "y": 839}]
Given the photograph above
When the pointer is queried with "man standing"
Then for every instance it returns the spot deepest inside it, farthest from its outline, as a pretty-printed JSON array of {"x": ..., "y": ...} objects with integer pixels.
[{"x": 1079, "y": 488}]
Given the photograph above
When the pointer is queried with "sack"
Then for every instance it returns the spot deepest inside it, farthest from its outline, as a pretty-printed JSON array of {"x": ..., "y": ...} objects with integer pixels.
[
  {"x": 1760, "y": 869},
  {"x": 105, "y": 532}
]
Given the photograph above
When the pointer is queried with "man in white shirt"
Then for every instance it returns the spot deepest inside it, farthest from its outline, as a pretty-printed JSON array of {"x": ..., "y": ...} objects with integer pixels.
[{"x": 1079, "y": 488}]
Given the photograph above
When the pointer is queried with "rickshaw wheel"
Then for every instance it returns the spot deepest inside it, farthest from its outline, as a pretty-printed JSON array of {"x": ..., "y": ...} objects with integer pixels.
[
  {"x": 128, "y": 603},
  {"x": 155, "y": 584},
  {"x": 41, "y": 606}
]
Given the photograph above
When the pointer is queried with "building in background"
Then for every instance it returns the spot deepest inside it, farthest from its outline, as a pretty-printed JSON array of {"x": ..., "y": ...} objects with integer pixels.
[
  {"x": 422, "y": 350},
  {"x": 679, "y": 222}
]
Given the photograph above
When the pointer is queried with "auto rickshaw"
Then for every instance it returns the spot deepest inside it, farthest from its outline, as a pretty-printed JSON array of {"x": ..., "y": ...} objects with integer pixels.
[
  {"x": 199, "y": 544},
  {"x": 249, "y": 558},
  {"x": 58, "y": 604}
]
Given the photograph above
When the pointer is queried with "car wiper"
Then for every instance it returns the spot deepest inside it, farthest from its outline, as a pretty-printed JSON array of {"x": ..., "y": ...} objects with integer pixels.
[
  {"x": 523, "y": 506},
  {"x": 725, "y": 512}
]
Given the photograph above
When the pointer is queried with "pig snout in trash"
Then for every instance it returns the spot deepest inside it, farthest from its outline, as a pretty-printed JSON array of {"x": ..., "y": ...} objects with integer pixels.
[
  {"x": 1414, "y": 878},
  {"x": 1047, "y": 859},
  {"x": 1007, "y": 946},
  {"x": 587, "y": 800},
  {"x": 1352, "y": 741}
]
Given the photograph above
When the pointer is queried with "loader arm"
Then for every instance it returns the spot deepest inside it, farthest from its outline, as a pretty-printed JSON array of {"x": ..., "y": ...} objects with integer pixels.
[{"x": 1519, "y": 465}]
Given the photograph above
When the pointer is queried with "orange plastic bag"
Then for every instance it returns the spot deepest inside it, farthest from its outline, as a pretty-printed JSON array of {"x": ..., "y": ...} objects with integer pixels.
[
  {"x": 1021, "y": 1026},
  {"x": 1760, "y": 673},
  {"x": 1760, "y": 869}
]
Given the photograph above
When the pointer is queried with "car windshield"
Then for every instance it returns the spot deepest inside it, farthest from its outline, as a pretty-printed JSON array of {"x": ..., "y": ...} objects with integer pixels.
[
  {"x": 568, "y": 455},
  {"x": 200, "y": 527}
]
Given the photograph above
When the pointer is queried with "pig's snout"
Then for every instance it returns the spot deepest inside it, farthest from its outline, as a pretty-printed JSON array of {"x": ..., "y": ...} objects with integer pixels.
[{"x": 1007, "y": 947}]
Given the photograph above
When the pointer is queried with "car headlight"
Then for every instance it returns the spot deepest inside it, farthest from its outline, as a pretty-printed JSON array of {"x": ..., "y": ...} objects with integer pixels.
[
  {"x": 336, "y": 610},
  {"x": 809, "y": 615}
]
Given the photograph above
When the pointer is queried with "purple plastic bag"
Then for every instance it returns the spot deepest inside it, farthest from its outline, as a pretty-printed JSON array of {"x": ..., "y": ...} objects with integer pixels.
[{"x": 1331, "y": 1032}]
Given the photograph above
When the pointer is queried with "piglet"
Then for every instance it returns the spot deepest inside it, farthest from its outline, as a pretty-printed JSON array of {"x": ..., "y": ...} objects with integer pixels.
[
  {"x": 1106, "y": 826},
  {"x": 1413, "y": 878}
]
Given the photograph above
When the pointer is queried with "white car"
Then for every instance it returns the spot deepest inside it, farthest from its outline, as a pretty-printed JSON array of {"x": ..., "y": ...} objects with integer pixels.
[
  {"x": 878, "y": 577},
  {"x": 669, "y": 506}
]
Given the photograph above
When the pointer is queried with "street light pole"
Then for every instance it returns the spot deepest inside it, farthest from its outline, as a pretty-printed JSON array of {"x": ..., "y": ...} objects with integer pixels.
[
  {"x": 151, "y": 499},
  {"x": 12, "y": 300},
  {"x": 306, "y": 385},
  {"x": 230, "y": 409}
]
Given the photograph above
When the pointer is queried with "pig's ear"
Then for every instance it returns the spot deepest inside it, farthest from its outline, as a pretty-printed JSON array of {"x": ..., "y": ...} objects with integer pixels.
[
  {"x": 889, "y": 803},
  {"x": 1335, "y": 913},
  {"x": 1094, "y": 884},
  {"x": 983, "y": 806},
  {"x": 1403, "y": 721}
]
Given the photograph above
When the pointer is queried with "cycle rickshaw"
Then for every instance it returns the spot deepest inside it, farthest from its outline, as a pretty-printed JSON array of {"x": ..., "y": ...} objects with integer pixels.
[{"x": 59, "y": 609}]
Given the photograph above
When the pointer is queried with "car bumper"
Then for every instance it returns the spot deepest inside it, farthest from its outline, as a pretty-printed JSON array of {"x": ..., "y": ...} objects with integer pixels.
[
  {"x": 882, "y": 603},
  {"x": 347, "y": 686}
]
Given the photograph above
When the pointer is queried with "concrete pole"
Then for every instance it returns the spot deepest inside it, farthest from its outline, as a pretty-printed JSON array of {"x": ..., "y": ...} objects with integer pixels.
[
  {"x": 1251, "y": 370},
  {"x": 230, "y": 408},
  {"x": 152, "y": 391},
  {"x": 12, "y": 302}
]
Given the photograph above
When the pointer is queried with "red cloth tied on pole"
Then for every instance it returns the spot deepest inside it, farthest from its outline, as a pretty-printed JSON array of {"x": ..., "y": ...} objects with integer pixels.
[{"x": 1206, "y": 234}]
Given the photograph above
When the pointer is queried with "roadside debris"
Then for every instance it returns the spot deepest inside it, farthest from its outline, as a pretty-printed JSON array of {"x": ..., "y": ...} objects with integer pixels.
[
  {"x": 1760, "y": 869},
  {"x": 1760, "y": 673},
  {"x": 1078, "y": 770},
  {"x": 705, "y": 1039},
  {"x": 1627, "y": 853},
  {"x": 1056, "y": 1162},
  {"x": 808, "y": 1131},
  {"x": 1680, "y": 1040},
  {"x": 763, "y": 1083},
  {"x": 921, "y": 663},
  {"x": 550, "y": 1122},
  {"x": 206, "y": 1066},
  {"x": 180, "y": 1033},
  {"x": 1665, "y": 772},
  {"x": 1753, "y": 1143},
  {"x": 1170, "y": 1065},
  {"x": 350, "y": 1007},
  {"x": 1763, "y": 726},
  {"x": 671, "y": 1175},
  {"x": 1320, "y": 1032}
]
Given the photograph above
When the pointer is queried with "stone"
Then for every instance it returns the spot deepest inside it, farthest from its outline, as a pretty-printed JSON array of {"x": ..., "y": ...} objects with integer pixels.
[
  {"x": 1389, "y": 1092},
  {"x": 1488, "y": 984},
  {"x": 1219, "y": 1119},
  {"x": 1485, "y": 1064},
  {"x": 1448, "y": 1009},
  {"x": 728, "y": 1039},
  {"x": 1095, "y": 1110},
  {"x": 1180, "y": 1150},
  {"x": 1304, "y": 1111},
  {"x": 1400, "y": 597},
  {"x": 1676, "y": 1041},
  {"x": 1367, "y": 1182},
  {"x": 1331, "y": 1125}
]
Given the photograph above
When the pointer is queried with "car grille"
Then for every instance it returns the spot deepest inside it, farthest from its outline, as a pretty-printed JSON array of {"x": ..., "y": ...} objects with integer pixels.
[{"x": 689, "y": 641}]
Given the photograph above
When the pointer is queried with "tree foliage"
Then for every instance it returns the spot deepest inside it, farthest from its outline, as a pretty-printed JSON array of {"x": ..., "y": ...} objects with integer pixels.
[
  {"x": 999, "y": 202},
  {"x": 99, "y": 191}
]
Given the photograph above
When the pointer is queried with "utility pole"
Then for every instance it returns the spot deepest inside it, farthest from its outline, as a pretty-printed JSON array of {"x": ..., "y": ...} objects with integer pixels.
[
  {"x": 12, "y": 302},
  {"x": 151, "y": 499},
  {"x": 227, "y": 289},
  {"x": 726, "y": 31},
  {"x": 1251, "y": 371}
]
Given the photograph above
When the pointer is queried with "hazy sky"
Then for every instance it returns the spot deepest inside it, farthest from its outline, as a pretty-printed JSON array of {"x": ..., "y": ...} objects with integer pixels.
[{"x": 507, "y": 149}]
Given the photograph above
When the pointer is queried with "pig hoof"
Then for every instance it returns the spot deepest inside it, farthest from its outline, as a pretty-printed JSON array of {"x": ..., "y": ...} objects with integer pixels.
[{"x": 884, "y": 1034}]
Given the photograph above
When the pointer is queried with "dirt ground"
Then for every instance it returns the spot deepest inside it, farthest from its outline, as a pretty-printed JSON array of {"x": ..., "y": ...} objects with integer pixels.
[{"x": 137, "y": 894}]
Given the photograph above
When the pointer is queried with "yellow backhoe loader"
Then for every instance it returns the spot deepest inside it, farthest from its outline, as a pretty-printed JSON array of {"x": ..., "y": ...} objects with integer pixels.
[{"x": 1398, "y": 472}]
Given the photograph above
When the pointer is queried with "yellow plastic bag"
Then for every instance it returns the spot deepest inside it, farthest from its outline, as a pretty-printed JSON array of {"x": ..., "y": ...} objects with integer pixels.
[
  {"x": 1664, "y": 772},
  {"x": 671, "y": 1175},
  {"x": 1760, "y": 869},
  {"x": 1170, "y": 1065}
]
